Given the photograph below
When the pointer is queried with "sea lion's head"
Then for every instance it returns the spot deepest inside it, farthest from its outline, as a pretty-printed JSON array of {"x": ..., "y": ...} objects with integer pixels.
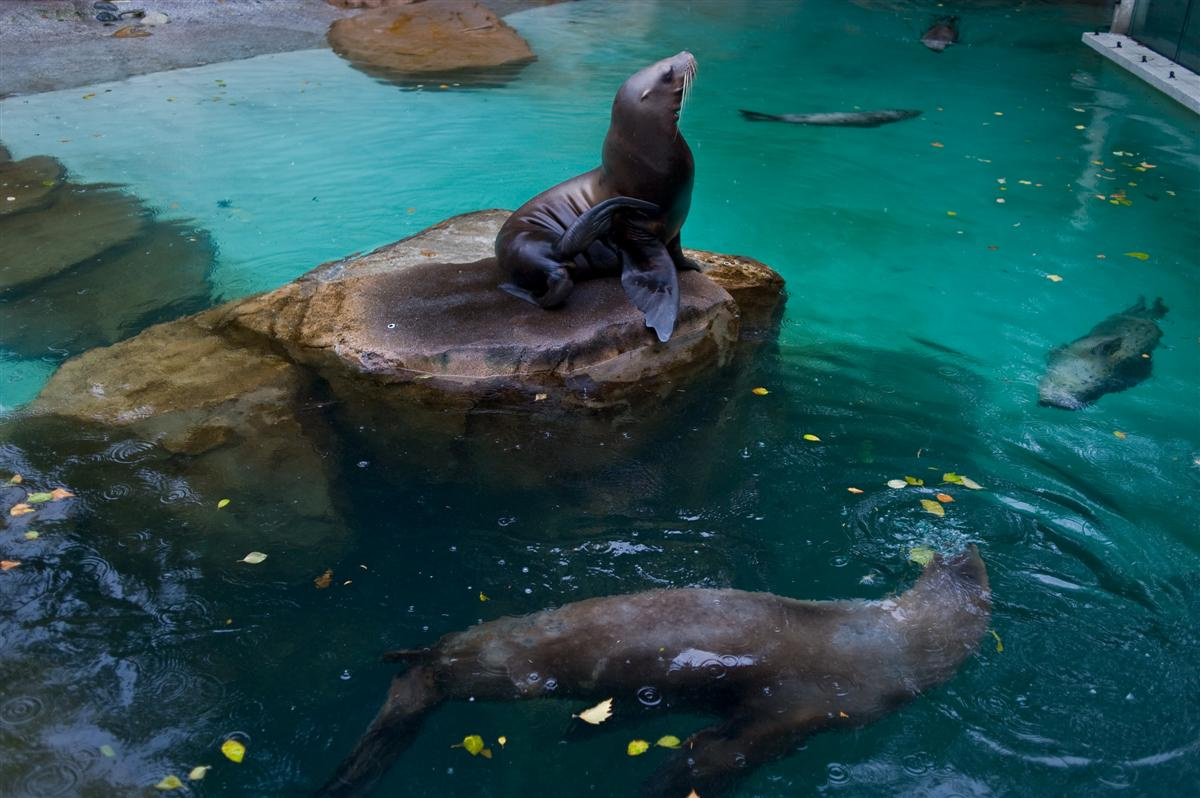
[{"x": 659, "y": 91}]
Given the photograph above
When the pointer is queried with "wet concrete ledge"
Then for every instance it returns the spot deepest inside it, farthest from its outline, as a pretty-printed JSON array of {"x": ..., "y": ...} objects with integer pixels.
[{"x": 1152, "y": 67}]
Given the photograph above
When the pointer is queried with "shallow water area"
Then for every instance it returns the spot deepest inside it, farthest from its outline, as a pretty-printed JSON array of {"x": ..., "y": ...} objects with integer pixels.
[{"x": 921, "y": 310}]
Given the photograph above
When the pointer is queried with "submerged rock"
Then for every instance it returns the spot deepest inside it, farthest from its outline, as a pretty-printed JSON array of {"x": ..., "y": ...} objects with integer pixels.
[
  {"x": 80, "y": 223},
  {"x": 29, "y": 183},
  {"x": 447, "y": 40}
]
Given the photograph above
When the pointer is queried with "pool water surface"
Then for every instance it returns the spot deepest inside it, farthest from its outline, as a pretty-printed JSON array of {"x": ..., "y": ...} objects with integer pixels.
[{"x": 931, "y": 265}]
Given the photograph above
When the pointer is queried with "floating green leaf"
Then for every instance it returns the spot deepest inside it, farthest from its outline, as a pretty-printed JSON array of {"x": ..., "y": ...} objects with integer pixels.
[
  {"x": 107, "y": 750},
  {"x": 233, "y": 750},
  {"x": 668, "y": 741},
  {"x": 169, "y": 783},
  {"x": 933, "y": 507},
  {"x": 637, "y": 747},
  {"x": 253, "y": 558},
  {"x": 223, "y": 503},
  {"x": 198, "y": 772},
  {"x": 38, "y": 498},
  {"x": 921, "y": 555}
]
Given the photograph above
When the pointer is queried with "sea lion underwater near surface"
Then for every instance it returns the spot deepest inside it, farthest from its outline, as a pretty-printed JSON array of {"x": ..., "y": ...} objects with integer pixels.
[
  {"x": 849, "y": 119},
  {"x": 774, "y": 669},
  {"x": 941, "y": 34},
  {"x": 622, "y": 217},
  {"x": 1112, "y": 356}
]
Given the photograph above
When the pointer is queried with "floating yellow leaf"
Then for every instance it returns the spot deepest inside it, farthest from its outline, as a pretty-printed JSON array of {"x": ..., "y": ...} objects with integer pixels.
[
  {"x": 38, "y": 498},
  {"x": 324, "y": 580},
  {"x": 914, "y": 481},
  {"x": 16, "y": 479},
  {"x": 8, "y": 565},
  {"x": 952, "y": 213},
  {"x": 32, "y": 534},
  {"x": 760, "y": 391},
  {"x": 999, "y": 642},
  {"x": 637, "y": 747},
  {"x": 937, "y": 144},
  {"x": 952, "y": 478},
  {"x": 540, "y": 397},
  {"x": 89, "y": 95},
  {"x": 897, "y": 483},
  {"x": 842, "y": 714},
  {"x": 253, "y": 558},
  {"x": 944, "y": 498},
  {"x": 808, "y": 436},
  {"x": 668, "y": 741},
  {"x": 972, "y": 484},
  {"x": 1138, "y": 255},
  {"x": 198, "y": 772},
  {"x": 854, "y": 490},
  {"x": 473, "y": 743},
  {"x": 921, "y": 555},
  {"x": 597, "y": 714},
  {"x": 486, "y": 753},
  {"x": 933, "y": 507},
  {"x": 502, "y": 740},
  {"x": 107, "y": 750},
  {"x": 1119, "y": 434},
  {"x": 169, "y": 783},
  {"x": 483, "y": 596},
  {"x": 222, "y": 504},
  {"x": 1079, "y": 127},
  {"x": 1054, "y": 278},
  {"x": 233, "y": 750}
]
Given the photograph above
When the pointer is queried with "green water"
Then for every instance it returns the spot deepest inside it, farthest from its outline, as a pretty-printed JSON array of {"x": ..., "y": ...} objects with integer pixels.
[{"x": 912, "y": 344}]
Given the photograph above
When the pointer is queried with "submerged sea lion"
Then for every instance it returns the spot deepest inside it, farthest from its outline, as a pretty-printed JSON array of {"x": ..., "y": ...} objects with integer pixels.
[
  {"x": 852, "y": 119},
  {"x": 1112, "y": 356},
  {"x": 774, "y": 669},
  {"x": 941, "y": 34},
  {"x": 621, "y": 218}
]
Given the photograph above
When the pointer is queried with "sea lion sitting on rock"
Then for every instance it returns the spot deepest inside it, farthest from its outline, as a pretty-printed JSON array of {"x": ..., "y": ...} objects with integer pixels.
[
  {"x": 621, "y": 218},
  {"x": 774, "y": 669}
]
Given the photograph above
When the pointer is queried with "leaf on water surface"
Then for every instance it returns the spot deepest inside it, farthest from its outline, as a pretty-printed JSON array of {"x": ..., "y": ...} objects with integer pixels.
[
  {"x": 8, "y": 565},
  {"x": 502, "y": 740},
  {"x": 540, "y": 397},
  {"x": 324, "y": 580},
  {"x": 637, "y": 747},
  {"x": 597, "y": 714},
  {"x": 233, "y": 750},
  {"x": 253, "y": 558},
  {"x": 692, "y": 794},
  {"x": 972, "y": 484},
  {"x": 171, "y": 782},
  {"x": 198, "y": 772},
  {"x": 58, "y": 494},
  {"x": 38, "y": 498},
  {"x": 952, "y": 478},
  {"x": 1054, "y": 278},
  {"x": 89, "y": 95},
  {"x": 668, "y": 741},
  {"x": 107, "y": 750},
  {"x": 854, "y": 490},
  {"x": 937, "y": 144},
  {"x": 921, "y": 555},
  {"x": 897, "y": 484},
  {"x": 32, "y": 534},
  {"x": 486, "y": 753},
  {"x": 473, "y": 743},
  {"x": 1120, "y": 435},
  {"x": 1139, "y": 255},
  {"x": 914, "y": 481},
  {"x": 810, "y": 437},
  {"x": 222, "y": 504},
  {"x": 483, "y": 596},
  {"x": 944, "y": 498},
  {"x": 760, "y": 391},
  {"x": 16, "y": 479},
  {"x": 933, "y": 507},
  {"x": 999, "y": 642}
]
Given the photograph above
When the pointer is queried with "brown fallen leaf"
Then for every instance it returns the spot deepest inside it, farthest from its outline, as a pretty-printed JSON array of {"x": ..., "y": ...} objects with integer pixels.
[
  {"x": 8, "y": 565},
  {"x": 130, "y": 32},
  {"x": 59, "y": 494},
  {"x": 20, "y": 509},
  {"x": 944, "y": 498},
  {"x": 324, "y": 580}
]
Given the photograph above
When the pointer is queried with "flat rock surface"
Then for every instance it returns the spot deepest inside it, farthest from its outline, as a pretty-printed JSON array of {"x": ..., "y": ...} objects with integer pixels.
[
  {"x": 431, "y": 38},
  {"x": 28, "y": 183}
]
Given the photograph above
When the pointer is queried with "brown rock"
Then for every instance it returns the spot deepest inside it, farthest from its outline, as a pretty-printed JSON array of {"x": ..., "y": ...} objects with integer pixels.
[
  {"x": 756, "y": 287},
  {"x": 451, "y": 40},
  {"x": 29, "y": 183},
  {"x": 80, "y": 223},
  {"x": 159, "y": 276}
]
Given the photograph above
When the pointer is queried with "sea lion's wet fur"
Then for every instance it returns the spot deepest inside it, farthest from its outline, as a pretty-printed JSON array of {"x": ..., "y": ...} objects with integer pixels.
[
  {"x": 774, "y": 669},
  {"x": 941, "y": 34},
  {"x": 1112, "y": 356},
  {"x": 645, "y": 159}
]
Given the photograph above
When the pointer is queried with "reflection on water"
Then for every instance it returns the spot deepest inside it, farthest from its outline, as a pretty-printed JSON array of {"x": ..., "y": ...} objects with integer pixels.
[{"x": 911, "y": 346}]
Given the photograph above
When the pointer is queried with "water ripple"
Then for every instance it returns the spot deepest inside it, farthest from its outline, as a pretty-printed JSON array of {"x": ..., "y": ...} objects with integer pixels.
[{"x": 19, "y": 710}]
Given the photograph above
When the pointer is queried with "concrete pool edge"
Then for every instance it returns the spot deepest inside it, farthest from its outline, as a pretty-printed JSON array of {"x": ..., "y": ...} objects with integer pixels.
[{"x": 1172, "y": 79}]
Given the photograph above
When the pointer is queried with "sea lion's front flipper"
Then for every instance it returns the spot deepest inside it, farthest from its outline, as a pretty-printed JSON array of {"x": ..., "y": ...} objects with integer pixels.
[
  {"x": 596, "y": 222},
  {"x": 410, "y": 698},
  {"x": 651, "y": 283},
  {"x": 713, "y": 760}
]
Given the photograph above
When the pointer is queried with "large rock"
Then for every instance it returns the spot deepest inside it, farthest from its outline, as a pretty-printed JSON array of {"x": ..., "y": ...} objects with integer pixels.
[
  {"x": 29, "y": 183},
  {"x": 436, "y": 40}
]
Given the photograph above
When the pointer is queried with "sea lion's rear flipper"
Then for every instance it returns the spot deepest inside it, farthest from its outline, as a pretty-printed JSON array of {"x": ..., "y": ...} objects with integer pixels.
[
  {"x": 596, "y": 222},
  {"x": 651, "y": 283},
  {"x": 713, "y": 760},
  {"x": 410, "y": 698}
]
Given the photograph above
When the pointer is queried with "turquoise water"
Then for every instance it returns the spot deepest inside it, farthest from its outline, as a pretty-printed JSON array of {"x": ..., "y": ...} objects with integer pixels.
[{"x": 912, "y": 345}]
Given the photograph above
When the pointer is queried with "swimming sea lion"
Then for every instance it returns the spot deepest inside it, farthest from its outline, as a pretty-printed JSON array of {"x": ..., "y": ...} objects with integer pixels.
[
  {"x": 851, "y": 119},
  {"x": 1112, "y": 356},
  {"x": 621, "y": 218},
  {"x": 941, "y": 34},
  {"x": 774, "y": 669}
]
